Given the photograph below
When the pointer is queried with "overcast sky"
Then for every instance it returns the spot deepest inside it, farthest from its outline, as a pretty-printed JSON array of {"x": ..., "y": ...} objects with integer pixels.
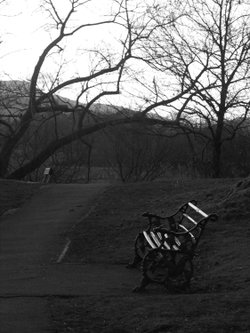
[{"x": 23, "y": 33}]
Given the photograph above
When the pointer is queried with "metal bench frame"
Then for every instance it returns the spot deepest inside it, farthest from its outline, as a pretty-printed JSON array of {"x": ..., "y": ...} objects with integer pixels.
[
  {"x": 169, "y": 256},
  {"x": 173, "y": 222}
]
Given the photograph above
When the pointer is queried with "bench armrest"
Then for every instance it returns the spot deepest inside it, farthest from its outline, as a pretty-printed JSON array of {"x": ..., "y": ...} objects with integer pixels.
[{"x": 150, "y": 215}]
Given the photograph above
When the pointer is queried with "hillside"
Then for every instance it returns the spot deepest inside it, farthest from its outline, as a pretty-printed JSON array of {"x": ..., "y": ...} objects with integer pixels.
[
  {"x": 218, "y": 300},
  {"x": 14, "y": 98}
]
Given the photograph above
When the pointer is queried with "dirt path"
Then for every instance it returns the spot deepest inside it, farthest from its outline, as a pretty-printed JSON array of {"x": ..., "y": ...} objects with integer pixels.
[{"x": 31, "y": 243}]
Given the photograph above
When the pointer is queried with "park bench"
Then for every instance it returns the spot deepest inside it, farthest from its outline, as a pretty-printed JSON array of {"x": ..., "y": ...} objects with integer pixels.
[
  {"x": 174, "y": 222},
  {"x": 166, "y": 252}
]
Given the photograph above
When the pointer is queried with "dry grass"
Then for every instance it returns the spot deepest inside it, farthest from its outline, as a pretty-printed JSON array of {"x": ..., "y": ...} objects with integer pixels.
[{"x": 218, "y": 301}]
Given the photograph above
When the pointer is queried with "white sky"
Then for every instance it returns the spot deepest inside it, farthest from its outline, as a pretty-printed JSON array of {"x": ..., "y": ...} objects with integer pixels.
[{"x": 23, "y": 33}]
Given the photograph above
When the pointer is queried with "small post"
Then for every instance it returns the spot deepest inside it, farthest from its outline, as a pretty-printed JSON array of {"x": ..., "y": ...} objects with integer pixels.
[{"x": 48, "y": 172}]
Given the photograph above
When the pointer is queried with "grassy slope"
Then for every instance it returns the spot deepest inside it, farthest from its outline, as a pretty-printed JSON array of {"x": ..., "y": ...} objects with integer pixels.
[{"x": 219, "y": 299}]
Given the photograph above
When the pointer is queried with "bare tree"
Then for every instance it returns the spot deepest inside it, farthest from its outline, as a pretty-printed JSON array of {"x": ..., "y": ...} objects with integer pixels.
[
  {"x": 106, "y": 76},
  {"x": 103, "y": 79},
  {"x": 105, "y": 65},
  {"x": 213, "y": 35}
]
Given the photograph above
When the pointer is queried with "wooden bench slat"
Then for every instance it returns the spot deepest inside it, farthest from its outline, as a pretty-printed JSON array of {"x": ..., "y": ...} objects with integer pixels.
[
  {"x": 198, "y": 210},
  {"x": 156, "y": 240},
  {"x": 190, "y": 233},
  {"x": 190, "y": 218},
  {"x": 165, "y": 243},
  {"x": 149, "y": 240},
  {"x": 177, "y": 241}
]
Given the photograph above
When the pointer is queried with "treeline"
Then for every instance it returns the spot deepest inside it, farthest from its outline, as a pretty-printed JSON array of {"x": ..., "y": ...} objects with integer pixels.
[{"x": 130, "y": 152}]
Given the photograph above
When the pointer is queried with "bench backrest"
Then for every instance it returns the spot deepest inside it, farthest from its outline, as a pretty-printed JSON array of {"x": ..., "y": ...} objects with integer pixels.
[{"x": 188, "y": 228}]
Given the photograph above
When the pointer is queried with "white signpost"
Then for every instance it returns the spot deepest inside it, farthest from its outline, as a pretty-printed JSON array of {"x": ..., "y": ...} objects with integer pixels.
[{"x": 46, "y": 175}]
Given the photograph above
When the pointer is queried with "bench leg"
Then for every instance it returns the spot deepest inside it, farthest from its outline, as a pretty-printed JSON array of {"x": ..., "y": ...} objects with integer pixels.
[
  {"x": 140, "y": 250},
  {"x": 135, "y": 263},
  {"x": 142, "y": 287}
]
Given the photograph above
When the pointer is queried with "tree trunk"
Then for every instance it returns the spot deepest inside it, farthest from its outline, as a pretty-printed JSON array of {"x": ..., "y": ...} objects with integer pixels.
[
  {"x": 217, "y": 160},
  {"x": 3, "y": 165},
  {"x": 217, "y": 146}
]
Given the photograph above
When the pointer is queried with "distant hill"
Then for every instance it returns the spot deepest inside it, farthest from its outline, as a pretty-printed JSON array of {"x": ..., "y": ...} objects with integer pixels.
[{"x": 14, "y": 99}]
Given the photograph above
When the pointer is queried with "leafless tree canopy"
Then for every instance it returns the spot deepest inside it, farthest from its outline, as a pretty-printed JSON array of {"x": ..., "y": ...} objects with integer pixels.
[
  {"x": 206, "y": 49},
  {"x": 183, "y": 64}
]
